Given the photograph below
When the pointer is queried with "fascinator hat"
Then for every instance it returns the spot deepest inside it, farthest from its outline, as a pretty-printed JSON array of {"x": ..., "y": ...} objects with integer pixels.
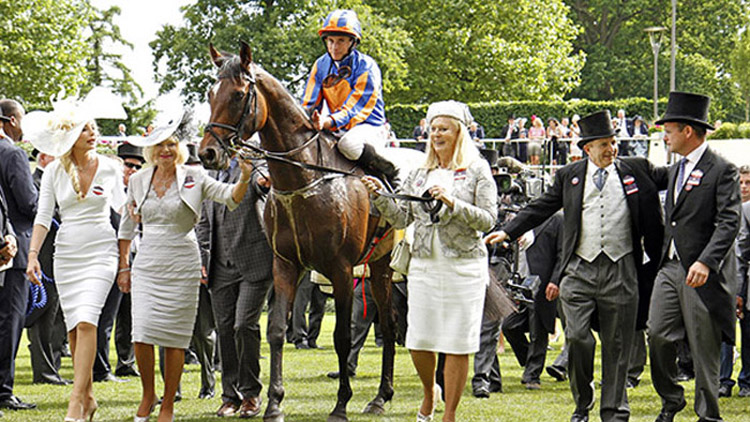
[
  {"x": 453, "y": 109},
  {"x": 165, "y": 125},
  {"x": 55, "y": 132}
]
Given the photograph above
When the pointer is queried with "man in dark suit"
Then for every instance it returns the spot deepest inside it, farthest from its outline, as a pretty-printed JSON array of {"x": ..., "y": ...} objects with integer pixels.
[
  {"x": 45, "y": 327},
  {"x": 21, "y": 200},
  {"x": 238, "y": 262},
  {"x": 611, "y": 215},
  {"x": 542, "y": 258},
  {"x": 508, "y": 133},
  {"x": 692, "y": 294}
]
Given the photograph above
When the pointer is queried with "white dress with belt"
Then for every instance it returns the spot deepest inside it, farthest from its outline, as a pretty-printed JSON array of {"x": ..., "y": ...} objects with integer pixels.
[
  {"x": 166, "y": 271},
  {"x": 86, "y": 244}
]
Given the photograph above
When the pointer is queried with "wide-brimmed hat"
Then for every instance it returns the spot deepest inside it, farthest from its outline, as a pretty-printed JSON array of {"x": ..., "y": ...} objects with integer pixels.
[
  {"x": 165, "y": 126},
  {"x": 686, "y": 107},
  {"x": 128, "y": 150},
  {"x": 454, "y": 109},
  {"x": 55, "y": 132},
  {"x": 596, "y": 126}
]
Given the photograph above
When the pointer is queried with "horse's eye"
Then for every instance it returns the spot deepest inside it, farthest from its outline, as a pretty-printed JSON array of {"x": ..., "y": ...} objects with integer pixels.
[{"x": 238, "y": 96}]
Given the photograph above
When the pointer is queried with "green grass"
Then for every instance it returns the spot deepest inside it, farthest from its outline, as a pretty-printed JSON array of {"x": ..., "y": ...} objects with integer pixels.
[{"x": 310, "y": 395}]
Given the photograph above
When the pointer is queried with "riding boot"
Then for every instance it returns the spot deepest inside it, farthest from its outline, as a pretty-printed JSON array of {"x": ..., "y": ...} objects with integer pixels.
[{"x": 376, "y": 165}]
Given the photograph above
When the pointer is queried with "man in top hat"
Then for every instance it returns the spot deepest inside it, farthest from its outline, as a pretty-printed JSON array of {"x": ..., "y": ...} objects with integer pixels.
[
  {"x": 612, "y": 215},
  {"x": 692, "y": 294}
]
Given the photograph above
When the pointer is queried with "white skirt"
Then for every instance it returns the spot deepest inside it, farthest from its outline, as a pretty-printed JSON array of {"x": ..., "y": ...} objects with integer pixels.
[{"x": 446, "y": 300}]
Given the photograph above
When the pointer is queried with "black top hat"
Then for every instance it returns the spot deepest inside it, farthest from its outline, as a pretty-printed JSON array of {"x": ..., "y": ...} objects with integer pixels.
[
  {"x": 596, "y": 126},
  {"x": 193, "y": 157},
  {"x": 686, "y": 107},
  {"x": 126, "y": 150},
  {"x": 490, "y": 155}
]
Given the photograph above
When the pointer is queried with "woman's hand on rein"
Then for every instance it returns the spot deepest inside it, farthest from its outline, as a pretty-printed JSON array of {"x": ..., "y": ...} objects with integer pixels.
[
  {"x": 372, "y": 184},
  {"x": 438, "y": 192}
]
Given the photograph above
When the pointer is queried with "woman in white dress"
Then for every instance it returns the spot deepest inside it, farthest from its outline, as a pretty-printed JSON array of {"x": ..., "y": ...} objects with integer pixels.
[
  {"x": 85, "y": 186},
  {"x": 448, "y": 272},
  {"x": 166, "y": 198}
]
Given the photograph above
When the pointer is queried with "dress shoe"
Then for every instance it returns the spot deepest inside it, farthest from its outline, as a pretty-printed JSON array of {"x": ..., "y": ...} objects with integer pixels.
[
  {"x": 335, "y": 374},
  {"x": 14, "y": 403},
  {"x": 206, "y": 393},
  {"x": 250, "y": 407},
  {"x": 127, "y": 371},
  {"x": 314, "y": 344},
  {"x": 481, "y": 392},
  {"x": 54, "y": 381},
  {"x": 683, "y": 376},
  {"x": 227, "y": 409},
  {"x": 668, "y": 415},
  {"x": 533, "y": 385},
  {"x": 495, "y": 387},
  {"x": 725, "y": 390},
  {"x": 558, "y": 373},
  {"x": 632, "y": 383},
  {"x": 580, "y": 417},
  {"x": 109, "y": 377},
  {"x": 744, "y": 392},
  {"x": 302, "y": 345}
]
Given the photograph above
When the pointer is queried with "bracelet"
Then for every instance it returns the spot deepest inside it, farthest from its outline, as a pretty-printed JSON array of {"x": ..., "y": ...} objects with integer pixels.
[
  {"x": 34, "y": 250},
  {"x": 123, "y": 270}
]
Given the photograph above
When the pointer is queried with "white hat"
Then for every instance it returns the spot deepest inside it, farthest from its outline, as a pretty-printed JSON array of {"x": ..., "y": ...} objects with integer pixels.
[
  {"x": 454, "y": 109},
  {"x": 55, "y": 132},
  {"x": 164, "y": 126}
]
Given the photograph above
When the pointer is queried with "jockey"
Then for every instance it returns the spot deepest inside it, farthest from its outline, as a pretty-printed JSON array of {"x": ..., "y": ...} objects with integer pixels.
[{"x": 351, "y": 85}]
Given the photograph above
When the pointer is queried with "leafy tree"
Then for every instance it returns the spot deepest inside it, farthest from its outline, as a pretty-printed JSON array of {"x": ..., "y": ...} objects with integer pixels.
[
  {"x": 477, "y": 50},
  {"x": 42, "y": 50},
  {"x": 740, "y": 67},
  {"x": 283, "y": 36}
]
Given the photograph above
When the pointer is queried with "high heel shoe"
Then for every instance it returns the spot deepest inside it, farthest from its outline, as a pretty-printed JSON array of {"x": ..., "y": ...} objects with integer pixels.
[
  {"x": 137, "y": 418},
  {"x": 91, "y": 413},
  {"x": 435, "y": 396},
  {"x": 71, "y": 419}
]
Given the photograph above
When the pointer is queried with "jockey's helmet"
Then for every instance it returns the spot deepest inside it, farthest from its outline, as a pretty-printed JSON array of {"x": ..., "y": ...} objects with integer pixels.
[{"x": 342, "y": 22}]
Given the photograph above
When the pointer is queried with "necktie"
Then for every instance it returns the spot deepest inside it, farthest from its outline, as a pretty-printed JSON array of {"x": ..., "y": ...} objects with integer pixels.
[
  {"x": 600, "y": 176},
  {"x": 680, "y": 176}
]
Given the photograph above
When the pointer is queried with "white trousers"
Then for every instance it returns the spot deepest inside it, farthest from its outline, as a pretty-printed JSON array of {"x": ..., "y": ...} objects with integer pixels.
[{"x": 353, "y": 142}]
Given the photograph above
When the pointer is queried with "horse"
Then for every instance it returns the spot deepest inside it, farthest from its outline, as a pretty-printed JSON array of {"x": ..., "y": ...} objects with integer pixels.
[{"x": 314, "y": 219}]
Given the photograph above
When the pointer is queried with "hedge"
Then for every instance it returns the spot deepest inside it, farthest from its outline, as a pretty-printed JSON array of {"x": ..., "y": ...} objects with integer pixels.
[{"x": 494, "y": 115}]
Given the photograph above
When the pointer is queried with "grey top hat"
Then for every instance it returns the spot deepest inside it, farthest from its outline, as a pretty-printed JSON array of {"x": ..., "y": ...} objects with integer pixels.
[
  {"x": 686, "y": 107},
  {"x": 126, "y": 150},
  {"x": 193, "y": 156},
  {"x": 596, "y": 126},
  {"x": 490, "y": 155}
]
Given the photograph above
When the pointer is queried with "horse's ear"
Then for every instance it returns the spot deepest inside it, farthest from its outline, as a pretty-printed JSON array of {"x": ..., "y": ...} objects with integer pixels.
[
  {"x": 246, "y": 56},
  {"x": 216, "y": 56}
]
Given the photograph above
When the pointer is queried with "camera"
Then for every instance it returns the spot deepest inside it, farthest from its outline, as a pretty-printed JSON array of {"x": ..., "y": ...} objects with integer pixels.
[{"x": 522, "y": 291}]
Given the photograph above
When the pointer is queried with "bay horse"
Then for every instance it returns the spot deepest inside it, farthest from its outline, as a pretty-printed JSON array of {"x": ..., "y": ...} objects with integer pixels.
[{"x": 313, "y": 219}]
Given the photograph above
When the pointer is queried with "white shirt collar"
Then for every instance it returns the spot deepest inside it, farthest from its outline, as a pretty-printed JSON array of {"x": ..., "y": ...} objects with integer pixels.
[{"x": 695, "y": 155}]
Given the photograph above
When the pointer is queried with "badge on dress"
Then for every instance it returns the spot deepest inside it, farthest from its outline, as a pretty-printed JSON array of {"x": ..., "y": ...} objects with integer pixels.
[
  {"x": 630, "y": 186},
  {"x": 459, "y": 174},
  {"x": 189, "y": 182},
  {"x": 98, "y": 190},
  {"x": 575, "y": 181}
]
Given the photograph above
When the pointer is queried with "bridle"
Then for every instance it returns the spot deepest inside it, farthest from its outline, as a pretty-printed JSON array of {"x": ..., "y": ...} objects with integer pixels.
[{"x": 235, "y": 132}]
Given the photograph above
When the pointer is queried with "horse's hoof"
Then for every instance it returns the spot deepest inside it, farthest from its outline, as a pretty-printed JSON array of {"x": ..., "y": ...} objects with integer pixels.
[
  {"x": 337, "y": 417},
  {"x": 374, "y": 407}
]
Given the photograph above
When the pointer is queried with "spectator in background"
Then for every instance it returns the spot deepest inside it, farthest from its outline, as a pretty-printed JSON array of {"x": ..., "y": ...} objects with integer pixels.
[
  {"x": 476, "y": 132},
  {"x": 420, "y": 134},
  {"x": 536, "y": 137},
  {"x": 121, "y": 130},
  {"x": 625, "y": 127},
  {"x": 639, "y": 145},
  {"x": 508, "y": 133},
  {"x": 558, "y": 151}
]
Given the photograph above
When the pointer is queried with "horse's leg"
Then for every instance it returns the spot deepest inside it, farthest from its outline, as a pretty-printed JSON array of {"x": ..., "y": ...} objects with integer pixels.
[
  {"x": 380, "y": 282},
  {"x": 342, "y": 338},
  {"x": 285, "y": 277}
]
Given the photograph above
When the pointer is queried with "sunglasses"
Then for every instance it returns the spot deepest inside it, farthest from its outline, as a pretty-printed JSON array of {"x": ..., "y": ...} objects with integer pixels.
[
  {"x": 133, "y": 166},
  {"x": 331, "y": 80}
]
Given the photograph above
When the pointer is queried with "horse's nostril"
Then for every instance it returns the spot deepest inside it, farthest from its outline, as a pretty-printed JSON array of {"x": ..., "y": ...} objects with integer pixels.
[{"x": 208, "y": 155}]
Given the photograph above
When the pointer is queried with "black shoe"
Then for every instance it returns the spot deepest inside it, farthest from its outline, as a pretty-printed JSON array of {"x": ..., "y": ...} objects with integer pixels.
[
  {"x": 668, "y": 415},
  {"x": 496, "y": 387},
  {"x": 744, "y": 392},
  {"x": 580, "y": 417},
  {"x": 177, "y": 397},
  {"x": 558, "y": 373},
  {"x": 313, "y": 344},
  {"x": 206, "y": 393},
  {"x": 109, "y": 377},
  {"x": 378, "y": 166},
  {"x": 54, "y": 381},
  {"x": 127, "y": 371},
  {"x": 725, "y": 390},
  {"x": 335, "y": 374},
  {"x": 481, "y": 392},
  {"x": 633, "y": 383},
  {"x": 14, "y": 403}
]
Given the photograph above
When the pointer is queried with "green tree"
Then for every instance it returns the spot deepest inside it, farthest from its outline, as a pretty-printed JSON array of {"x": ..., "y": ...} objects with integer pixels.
[
  {"x": 740, "y": 67},
  {"x": 477, "y": 50},
  {"x": 282, "y": 34},
  {"x": 42, "y": 49}
]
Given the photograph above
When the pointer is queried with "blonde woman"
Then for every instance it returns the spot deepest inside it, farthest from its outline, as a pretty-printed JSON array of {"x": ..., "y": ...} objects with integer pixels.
[
  {"x": 85, "y": 186},
  {"x": 164, "y": 281},
  {"x": 448, "y": 272}
]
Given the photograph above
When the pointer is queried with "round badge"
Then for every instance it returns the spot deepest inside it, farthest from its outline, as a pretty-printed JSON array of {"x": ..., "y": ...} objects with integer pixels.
[{"x": 575, "y": 181}]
